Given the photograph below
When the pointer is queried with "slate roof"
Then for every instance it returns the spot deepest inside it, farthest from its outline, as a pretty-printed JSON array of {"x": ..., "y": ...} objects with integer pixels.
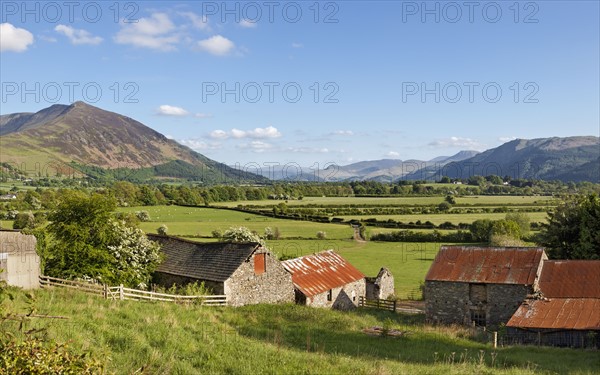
[
  {"x": 211, "y": 261},
  {"x": 317, "y": 273},
  {"x": 493, "y": 265}
]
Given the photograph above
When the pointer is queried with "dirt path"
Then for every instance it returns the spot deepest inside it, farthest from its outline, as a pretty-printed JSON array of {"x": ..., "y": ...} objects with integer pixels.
[{"x": 357, "y": 236}]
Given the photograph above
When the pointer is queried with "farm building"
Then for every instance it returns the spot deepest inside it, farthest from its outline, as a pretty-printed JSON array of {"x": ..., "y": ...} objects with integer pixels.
[
  {"x": 566, "y": 311},
  {"x": 19, "y": 260},
  {"x": 244, "y": 272},
  {"x": 326, "y": 279},
  {"x": 480, "y": 285},
  {"x": 380, "y": 286}
]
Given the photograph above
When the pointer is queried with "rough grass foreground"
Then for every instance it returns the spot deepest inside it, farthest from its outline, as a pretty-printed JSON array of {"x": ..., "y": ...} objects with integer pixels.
[{"x": 157, "y": 338}]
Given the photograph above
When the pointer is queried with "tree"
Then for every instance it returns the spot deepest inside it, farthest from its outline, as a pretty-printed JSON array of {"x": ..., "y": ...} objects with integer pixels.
[
  {"x": 480, "y": 230},
  {"x": 24, "y": 220},
  {"x": 573, "y": 229},
  {"x": 444, "y": 206},
  {"x": 522, "y": 220},
  {"x": 87, "y": 241},
  {"x": 242, "y": 235}
]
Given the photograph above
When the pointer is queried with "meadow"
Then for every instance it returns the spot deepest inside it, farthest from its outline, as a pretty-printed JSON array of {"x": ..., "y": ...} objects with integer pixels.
[{"x": 160, "y": 338}]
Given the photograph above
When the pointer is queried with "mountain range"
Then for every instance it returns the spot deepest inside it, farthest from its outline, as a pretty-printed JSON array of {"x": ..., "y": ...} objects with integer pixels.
[{"x": 83, "y": 139}]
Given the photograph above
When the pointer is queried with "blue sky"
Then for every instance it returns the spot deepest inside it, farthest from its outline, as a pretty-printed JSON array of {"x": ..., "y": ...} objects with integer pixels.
[{"x": 339, "y": 81}]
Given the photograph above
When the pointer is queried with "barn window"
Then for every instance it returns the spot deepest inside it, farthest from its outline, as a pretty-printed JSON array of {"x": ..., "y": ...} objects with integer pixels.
[
  {"x": 260, "y": 264},
  {"x": 329, "y": 295},
  {"x": 478, "y": 317}
]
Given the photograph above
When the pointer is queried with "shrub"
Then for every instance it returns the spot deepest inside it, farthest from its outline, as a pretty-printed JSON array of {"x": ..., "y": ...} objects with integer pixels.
[
  {"x": 321, "y": 235},
  {"x": 143, "y": 216},
  {"x": 162, "y": 230}
]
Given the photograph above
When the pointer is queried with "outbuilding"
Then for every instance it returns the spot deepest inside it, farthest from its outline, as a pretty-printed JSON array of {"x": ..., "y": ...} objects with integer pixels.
[
  {"x": 326, "y": 280},
  {"x": 480, "y": 285},
  {"x": 19, "y": 260},
  {"x": 246, "y": 273},
  {"x": 565, "y": 311}
]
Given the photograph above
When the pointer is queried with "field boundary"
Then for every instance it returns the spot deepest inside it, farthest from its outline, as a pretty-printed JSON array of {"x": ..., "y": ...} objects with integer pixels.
[{"x": 122, "y": 293}]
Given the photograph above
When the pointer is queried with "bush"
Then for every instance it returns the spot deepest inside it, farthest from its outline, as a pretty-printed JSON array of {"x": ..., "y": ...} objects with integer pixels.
[
  {"x": 143, "y": 216},
  {"x": 321, "y": 235},
  {"x": 24, "y": 220},
  {"x": 162, "y": 230},
  {"x": 216, "y": 233}
]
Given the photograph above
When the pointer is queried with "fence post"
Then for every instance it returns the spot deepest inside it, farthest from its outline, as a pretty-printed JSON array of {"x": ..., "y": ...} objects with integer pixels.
[
  {"x": 105, "y": 292},
  {"x": 495, "y": 339},
  {"x": 395, "y": 305},
  {"x": 121, "y": 291}
]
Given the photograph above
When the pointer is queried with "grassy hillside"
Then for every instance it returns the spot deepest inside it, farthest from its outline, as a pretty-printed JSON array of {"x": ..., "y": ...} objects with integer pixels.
[{"x": 157, "y": 338}]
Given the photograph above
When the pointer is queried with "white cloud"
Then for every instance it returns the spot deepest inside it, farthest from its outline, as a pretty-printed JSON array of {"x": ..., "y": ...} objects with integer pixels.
[
  {"x": 257, "y": 133},
  {"x": 297, "y": 45},
  {"x": 203, "y": 115},
  {"x": 248, "y": 24},
  {"x": 256, "y": 146},
  {"x": 156, "y": 32},
  {"x": 456, "y": 142},
  {"x": 48, "y": 39},
  {"x": 169, "y": 110},
  {"x": 392, "y": 154},
  {"x": 217, "y": 45},
  {"x": 199, "y": 22},
  {"x": 78, "y": 36},
  {"x": 219, "y": 134},
  {"x": 308, "y": 150},
  {"x": 506, "y": 139},
  {"x": 343, "y": 132},
  {"x": 200, "y": 145},
  {"x": 14, "y": 39}
]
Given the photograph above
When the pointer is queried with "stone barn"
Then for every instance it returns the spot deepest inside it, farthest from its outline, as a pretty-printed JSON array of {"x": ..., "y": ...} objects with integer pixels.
[
  {"x": 565, "y": 311},
  {"x": 19, "y": 260},
  {"x": 326, "y": 280},
  {"x": 480, "y": 285},
  {"x": 380, "y": 286},
  {"x": 244, "y": 272}
]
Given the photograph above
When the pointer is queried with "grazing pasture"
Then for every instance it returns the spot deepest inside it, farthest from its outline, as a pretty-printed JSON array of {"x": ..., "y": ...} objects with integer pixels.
[{"x": 160, "y": 338}]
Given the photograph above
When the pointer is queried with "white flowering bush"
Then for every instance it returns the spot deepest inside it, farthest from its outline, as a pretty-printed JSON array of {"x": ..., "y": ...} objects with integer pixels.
[{"x": 135, "y": 256}]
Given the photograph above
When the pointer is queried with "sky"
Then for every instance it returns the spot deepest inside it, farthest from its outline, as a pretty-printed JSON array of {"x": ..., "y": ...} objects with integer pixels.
[{"x": 312, "y": 82}]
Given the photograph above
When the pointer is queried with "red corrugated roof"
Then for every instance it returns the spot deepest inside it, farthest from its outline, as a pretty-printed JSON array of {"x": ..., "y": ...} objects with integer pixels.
[
  {"x": 570, "y": 279},
  {"x": 494, "y": 265},
  {"x": 558, "y": 313},
  {"x": 317, "y": 273}
]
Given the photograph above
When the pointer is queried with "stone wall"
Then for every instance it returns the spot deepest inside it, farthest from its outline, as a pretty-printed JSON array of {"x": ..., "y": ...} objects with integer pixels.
[
  {"x": 343, "y": 298},
  {"x": 244, "y": 287},
  {"x": 381, "y": 286},
  {"x": 455, "y": 302}
]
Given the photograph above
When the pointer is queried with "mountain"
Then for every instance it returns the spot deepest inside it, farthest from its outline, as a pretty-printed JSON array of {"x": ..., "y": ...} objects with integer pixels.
[
  {"x": 565, "y": 159},
  {"x": 384, "y": 170},
  {"x": 98, "y": 143}
]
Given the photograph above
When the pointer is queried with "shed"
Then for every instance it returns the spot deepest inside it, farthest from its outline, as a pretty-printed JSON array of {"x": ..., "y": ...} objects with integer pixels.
[
  {"x": 380, "y": 286},
  {"x": 326, "y": 279},
  {"x": 566, "y": 311},
  {"x": 19, "y": 260},
  {"x": 244, "y": 272},
  {"x": 480, "y": 285}
]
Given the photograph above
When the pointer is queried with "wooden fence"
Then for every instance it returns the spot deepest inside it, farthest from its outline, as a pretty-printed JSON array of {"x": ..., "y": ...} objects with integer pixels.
[
  {"x": 122, "y": 293},
  {"x": 384, "y": 304}
]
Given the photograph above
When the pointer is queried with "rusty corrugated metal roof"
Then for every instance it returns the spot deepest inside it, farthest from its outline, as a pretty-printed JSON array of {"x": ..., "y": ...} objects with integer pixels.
[
  {"x": 317, "y": 273},
  {"x": 494, "y": 265},
  {"x": 570, "y": 279},
  {"x": 558, "y": 313}
]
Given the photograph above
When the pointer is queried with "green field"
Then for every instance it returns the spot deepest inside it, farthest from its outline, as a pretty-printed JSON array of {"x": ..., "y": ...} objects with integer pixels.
[
  {"x": 441, "y": 218},
  {"x": 489, "y": 200},
  {"x": 161, "y": 338},
  {"x": 200, "y": 221}
]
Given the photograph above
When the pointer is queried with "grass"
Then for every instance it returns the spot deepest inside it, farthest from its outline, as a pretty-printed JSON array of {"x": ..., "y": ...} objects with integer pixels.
[
  {"x": 492, "y": 200},
  {"x": 453, "y": 218},
  {"x": 276, "y": 339},
  {"x": 194, "y": 221}
]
